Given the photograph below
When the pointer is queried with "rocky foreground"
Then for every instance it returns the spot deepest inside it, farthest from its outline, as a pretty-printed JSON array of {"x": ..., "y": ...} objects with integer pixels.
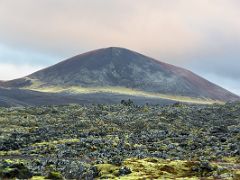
[{"x": 121, "y": 141}]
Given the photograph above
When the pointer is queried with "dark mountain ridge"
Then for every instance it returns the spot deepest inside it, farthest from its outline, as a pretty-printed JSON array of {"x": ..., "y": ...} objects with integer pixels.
[{"x": 120, "y": 67}]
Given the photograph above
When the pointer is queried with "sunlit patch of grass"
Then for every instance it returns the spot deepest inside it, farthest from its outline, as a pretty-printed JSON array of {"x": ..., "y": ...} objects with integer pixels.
[
  {"x": 153, "y": 168},
  {"x": 118, "y": 90},
  {"x": 108, "y": 171},
  {"x": 38, "y": 178},
  {"x": 56, "y": 142},
  {"x": 235, "y": 160},
  {"x": 10, "y": 153},
  {"x": 149, "y": 168}
]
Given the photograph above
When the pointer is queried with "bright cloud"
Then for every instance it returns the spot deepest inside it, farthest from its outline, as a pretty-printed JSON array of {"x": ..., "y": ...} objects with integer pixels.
[
  {"x": 12, "y": 71},
  {"x": 202, "y": 35}
]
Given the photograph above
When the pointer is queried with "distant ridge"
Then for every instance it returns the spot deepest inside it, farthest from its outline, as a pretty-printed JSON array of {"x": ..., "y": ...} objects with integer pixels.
[{"x": 119, "y": 67}]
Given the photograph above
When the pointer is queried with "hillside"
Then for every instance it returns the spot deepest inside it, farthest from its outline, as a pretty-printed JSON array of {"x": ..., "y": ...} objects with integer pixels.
[
  {"x": 20, "y": 97},
  {"x": 117, "y": 68}
]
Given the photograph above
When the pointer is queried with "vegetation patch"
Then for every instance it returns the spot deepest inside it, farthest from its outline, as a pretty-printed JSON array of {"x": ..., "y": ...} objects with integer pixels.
[
  {"x": 122, "y": 141},
  {"x": 152, "y": 168},
  {"x": 118, "y": 90}
]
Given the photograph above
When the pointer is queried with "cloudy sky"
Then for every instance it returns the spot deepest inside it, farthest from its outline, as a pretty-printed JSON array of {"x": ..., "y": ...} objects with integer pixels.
[{"x": 201, "y": 35}]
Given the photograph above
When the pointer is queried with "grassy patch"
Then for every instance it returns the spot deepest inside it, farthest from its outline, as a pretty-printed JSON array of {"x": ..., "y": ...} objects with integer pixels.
[
  {"x": 56, "y": 142},
  {"x": 153, "y": 168},
  {"x": 120, "y": 90},
  {"x": 10, "y": 153}
]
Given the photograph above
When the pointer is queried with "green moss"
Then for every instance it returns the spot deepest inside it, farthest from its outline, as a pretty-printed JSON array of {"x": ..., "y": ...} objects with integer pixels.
[
  {"x": 9, "y": 161},
  {"x": 10, "y": 153},
  {"x": 14, "y": 169},
  {"x": 56, "y": 142},
  {"x": 38, "y": 178},
  {"x": 107, "y": 170},
  {"x": 54, "y": 175},
  {"x": 231, "y": 159},
  {"x": 236, "y": 175},
  {"x": 153, "y": 168},
  {"x": 73, "y": 136}
]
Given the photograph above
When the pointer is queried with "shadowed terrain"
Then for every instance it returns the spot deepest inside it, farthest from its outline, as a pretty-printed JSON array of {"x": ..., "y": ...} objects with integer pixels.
[{"x": 20, "y": 97}]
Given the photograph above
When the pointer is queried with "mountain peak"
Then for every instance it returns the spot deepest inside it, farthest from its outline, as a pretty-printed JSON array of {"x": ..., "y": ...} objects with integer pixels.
[
  {"x": 116, "y": 48},
  {"x": 113, "y": 48},
  {"x": 113, "y": 51}
]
